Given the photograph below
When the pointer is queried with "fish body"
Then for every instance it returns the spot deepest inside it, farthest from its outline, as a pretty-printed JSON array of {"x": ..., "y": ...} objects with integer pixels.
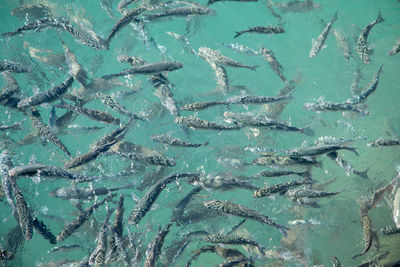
[
  {"x": 395, "y": 49},
  {"x": 6, "y": 255},
  {"x": 14, "y": 126},
  {"x": 278, "y": 188},
  {"x": 346, "y": 166},
  {"x": 148, "y": 68},
  {"x": 273, "y": 62},
  {"x": 42, "y": 229},
  {"x": 109, "y": 101},
  {"x": 154, "y": 249},
  {"x": 117, "y": 226},
  {"x": 163, "y": 92},
  {"x": 181, "y": 12},
  {"x": 241, "y": 48},
  {"x": 146, "y": 202},
  {"x": 318, "y": 150},
  {"x": 47, "y": 96},
  {"x": 212, "y": 55},
  {"x": 10, "y": 66},
  {"x": 115, "y": 136},
  {"x": 154, "y": 159},
  {"x": 343, "y": 42},
  {"x": 210, "y": 2},
  {"x": 231, "y": 240},
  {"x": 203, "y": 124},
  {"x": 224, "y": 182},
  {"x": 222, "y": 77},
  {"x": 296, "y": 6},
  {"x": 124, "y": 3},
  {"x": 70, "y": 228},
  {"x": 202, "y": 105},
  {"x": 318, "y": 44},
  {"x": 40, "y": 169},
  {"x": 279, "y": 173},
  {"x": 244, "y": 212},
  {"x": 390, "y": 230},
  {"x": 165, "y": 139},
  {"x": 383, "y": 142},
  {"x": 97, "y": 258},
  {"x": 64, "y": 248},
  {"x": 284, "y": 161},
  {"x": 321, "y": 105},
  {"x": 11, "y": 88},
  {"x": 262, "y": 29},
  {"x": 367, "y": 229},
  {"x": 362, "y": 47},
  {"x": 25, "y": 219},
  {"x": 305, "y": 193},
  {"x": 180, "y": 207},
  {"x": 255, "y": 99},
  {"x": 6, "y": 165},
  {"x": 84, "y": 193},
  {"x": 335, "y": 261},
  {"x": 43, "y": 131}
]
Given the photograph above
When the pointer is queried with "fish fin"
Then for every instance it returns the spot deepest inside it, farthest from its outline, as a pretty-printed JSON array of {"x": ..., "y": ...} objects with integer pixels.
[
  {"x": 237, "y": 34},
  {"x": 362, "y": 174},
  {"x": 254, "y": 67},
  {"x": 379, "y": 18},
  {"x": 307, "y": 130}
]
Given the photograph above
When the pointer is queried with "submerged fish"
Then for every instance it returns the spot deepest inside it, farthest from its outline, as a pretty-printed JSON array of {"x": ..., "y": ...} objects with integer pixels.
[
  {"x": 165, "y": 139},
  {"x": 279, "y": 173},
  {"x": 231, "y": 240},
  {"x": 244, "y": 212},
  {"x": 85, "y": 193},
  {"x": 362, "y": 47},
  {"x": 214, "y": 56},
  {"x": 311, "y": 151},
  {"x": 42, "y": 170},
  {"x": 383, "y": 142},
  {"x": 279, "y": 188},
  {"x": 180, "y": 11},
  {"x": 367, "y": 229},
  {"x": 298, "y": 194},
  {"x": 296, "y": 6},
  {"x": 210, "y": 2},
  {"x": 346, "y": 166},
  {"x": 6, "y": 165},
  {"x": 163, "y": 92},
  {"x": 284, "y": 161},
  {"x": 321, "y": 105},
  {"x": 149, "y": 68},
  {"x": 261, "y": 29},
  {"x": 390, "y": 230},
  {"x": 154, "y": 248},
  {"x": 97, "y": 258},
  {"x": 395, "y": 49},
  {"x": 14, "y": 126},
  {"x": 318, "y": 44},
  {"x": 203, "y": 124},
  {"x": 273, "y": 62},
  {"x": 42, "y": 229},
  {"x": 10, "y": 66}
]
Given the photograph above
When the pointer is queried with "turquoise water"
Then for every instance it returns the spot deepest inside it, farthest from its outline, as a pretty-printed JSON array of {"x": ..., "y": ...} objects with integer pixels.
[{"x": 327, "y": 75}]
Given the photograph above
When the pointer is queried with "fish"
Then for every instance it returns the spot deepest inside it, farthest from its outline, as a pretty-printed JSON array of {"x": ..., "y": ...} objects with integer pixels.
[
  {"x": 343, "y": 42},
  {"x": 11, "y": 88},
  {"x": 240, "y": 261},
  {"x": 346, "y": 166},
  {"x": 154, "y": 248},
  {"x": 85, "y": 193},
  {"x": 232, "y": 240},
  {"x": 203, "y": 124},
  {"x": 93, "y": 114},
  {"x": 262, "y": 29},
  {"x": 31, "y": 11},
  {"x": 42, "y": 229},
  {"x": 367, "y": 229},
  {"x": 163, "y": 92},
  {"x": 311, "y": 151},
  {"x": 15, "y": 126},
  {"x": 222, "y": 76},
  {"x": 367, "y": 92},
  {"x": 214, "y": 56},
  {"x": 86, "y": 38},
  {"x": 6, "y": 164},
  {"x": 117, "y": 226},
  {"x": 6, "y": 65},
  {"x": 244, "y": 212},
  {"x": 384, "y": 142},
  {"x": 223, "y": 182},
  {"x": 396, "y": 208},
  {"x": 284, "y": 161},
  {"x": 109, "y": 101},
  {"x": 182, "y": 204},
  {"x": 202, "y": 105},
  {"x": 75, "y": 69},
  {"x": 180, "y": 11},
  {"x": 42, "y": 170},
  {"x": 43, "y": 131},
  {"x": 210, "y": 2},
  {"x": 63, "y": 248},
  {"x": 115, "y": 136},
  {"x": 395, "y": 49},
  {"x": 148, "y": 68},
  {"x": 335, "y": 261},
  {"x": 47, "y": 96},
  {"x": 129, "y": 16},
  {"x": 154, "y": 159},
  {"x": 279, "y": 188},
  {"x": 279, "y": 173},
  {"x": 362, "y": 47},
  {"x": 151, "y": 195},
  {"x": 165, "y": 139},
  {"x": 390, "y": 230},
  {"x": 273, "y": 62},
  {"x": 295, "y": 194},
  {"x": 256, "y": 99},
  {"x": 97, "y": 258},
  {"x": 296, "y": 6},
  {"x": 226, "y": 253},
  {"x": 241, "y": 48},
  {"x": 318, "y": 44},
  {"x": 74, "y": 225},
  {"x": 124, "y": 3},
  {"x": 263, "y": 121},
  {"x": 6, "y": 255},
  {"x": 322, "y": 105},
  {"x": 25, "y": 219}
]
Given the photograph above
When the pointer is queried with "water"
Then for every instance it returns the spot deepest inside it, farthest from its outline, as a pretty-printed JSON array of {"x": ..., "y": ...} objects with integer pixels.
[{"x": 328, "y": 75}]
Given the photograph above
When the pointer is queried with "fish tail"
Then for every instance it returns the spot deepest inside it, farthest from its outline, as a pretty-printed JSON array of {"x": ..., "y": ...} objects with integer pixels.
[
  {"x": 254, "y": 67},
  {"x": 206, "y": 143},
  {"x": 210, "y": 2},
  {"x": 379, "y": 18},
  {"x": 282, "y": 229},
  {"x": 362, "y": 174},
  {"x": 237, "y": 34},
  {"x": 334, "y": 16},
  {"x": 307, "y": 130},
  {"x": 354, "y": 150}
]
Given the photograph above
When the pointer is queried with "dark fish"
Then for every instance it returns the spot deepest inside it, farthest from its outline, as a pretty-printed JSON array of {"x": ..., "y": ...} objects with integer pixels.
[
  {"x": 263, "y": 121},
  {"x": 124, "y": 3},
  {"x": 279, "y": 188},
  {"x": 42, "y": 131},
  {"x": 6, "y": 255},
  {"x": 279, "y": 173},
  {"x": 10, "y": 66},
  {"x": 85, "y": 193},
  {"x": 370, "y": 89},
  {"x": 223, "y": 182},
  {"x": 346, "y": 166},
  {"x": 367, "y": 229},
  {"x": 14, "y": 126},
  {"x": 154, "y": 248},
  {"x": 231, "y": 240},
  {"x": 203, "y": 124},
  {"x": 11, "y": 88},
  {"x": 214, "y": 56},
  {"x": 222, "y": 76},
  {"x": 117, "y": 227},
  {"x": 362, "y": 47},
  {"x": 180, "y": 11},
  {"x": 25, "y": 219},
  {"x": 335, "y": 261},
  {"x": 47, "y": 96},
  {"x": 40, "y": 169},
  {"x": 165, "y": 139},
  {"x": 93, "y": 114},
  {"x": 268, "y": 160},
  {"x": 125, "y": 20},
  {"x": 78, "y": 221},
  {"x": 262, "y": 29},
  {"x": 181, "y": 206},
  {"x": 318, "y": 44},
  {"x": 321, "y": 105},
  {"x": 97, "y": 258},
  {"x": 240, "y": 261},
  {"x": 296, "y": 194},
  {"x": 109, "y": 101},
  {"x": 255, "y": 99},
  {"x": 6, "y": 165},
  {"x": 115, "y": 135},
  {"x": 226, "y": 253},
  {"x": 63, "y": 248},
  {"x": 149, "y": 68},
  {"x": 311, "y": 151},
  {"x": 202, "y": 105},
  {"x": 44, "y": 230},
  {"x": 395, "y": 49},
  {"x": 210, "y": 2},
  {"x": 273, "y": 63},
  {"x": 382, "y": 142},
  {"x": 295, "y": 6},
  {"x": 145, "y": 203},
  {"x": 154, "y": 159},
  {"x": 244, "y": 212},
  {"x": 163, "y": 92},
  {"x": 390, "y": 230}
]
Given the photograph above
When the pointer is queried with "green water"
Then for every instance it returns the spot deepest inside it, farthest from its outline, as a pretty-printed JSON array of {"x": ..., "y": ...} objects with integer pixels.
[{"x": 328, "y": 75}]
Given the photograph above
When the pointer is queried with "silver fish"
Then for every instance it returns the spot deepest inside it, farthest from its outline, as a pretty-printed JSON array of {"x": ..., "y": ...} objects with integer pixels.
[
  {"x": 165, "y": 139},
  {"x": 11, "y": 88},
  {"x": 97, "y": 258},
  {"x": 311, "y": 151},
  {"x": 154, "y": 159},
  {"x": 241, "y": 48},
  {"x": 109, "y": 101},
  {"x": 268, "y": 160},
  {"x": 154, "y": 248},
  {"x": 180, "y": 11},
  {"x": 273, "y": 62},
  {"x": 210, "y": 2},
  {"x": 346, "y": 166},
  {"x": 222, "y": 76},
  {"x": 40, "y": 169},
  {"x": 395, "y": 49},
  {"x": 231, "y": 240},
  {"x": 203, "y": 124},
  {"x": 322, "y": 105},
  {"x": 85, "y": 193},
  {"x": 362, "y": 47},
  {"x": 261, "y": 29},
  {"x": 6, "y": 164},
  {"x": 295, "y": 194},
  {"x": 296, "y": 6},
  {"x": 163, "y": 92},
  {"x": 279, "y": 188},
  {"x": 343, "y": 42},
  {"x": 10, "y": 66},
  {"x": 149, "y": 68},
  {"x": 317, "y": 44},
  {"x": 367, "y": 229},
  {"x": 214, "y": 56}
]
